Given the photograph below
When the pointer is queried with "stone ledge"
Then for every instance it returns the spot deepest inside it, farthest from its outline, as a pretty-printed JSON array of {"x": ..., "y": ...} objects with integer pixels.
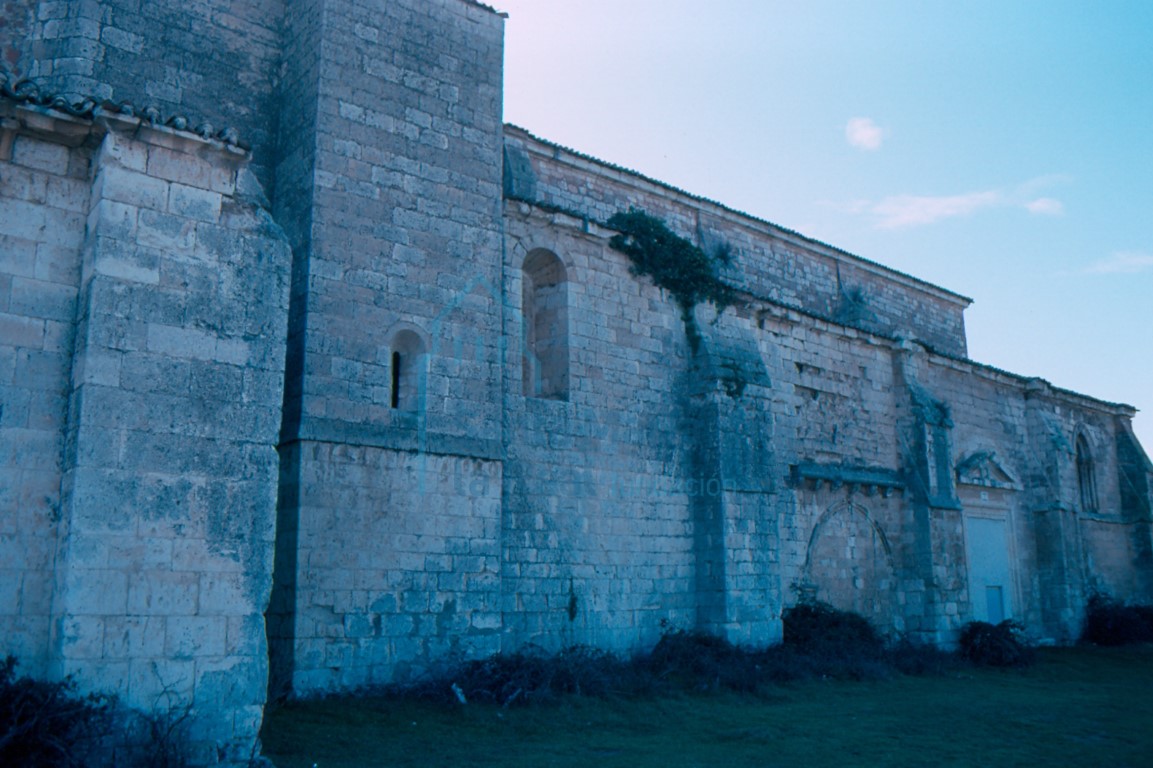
[
  {"x": 409, "y": 439},
  {"x": 870, "y": 480}
]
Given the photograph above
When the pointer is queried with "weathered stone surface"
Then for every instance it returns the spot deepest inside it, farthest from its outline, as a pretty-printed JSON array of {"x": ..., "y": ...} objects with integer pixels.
[
  {"x": 383, "y": 392},
  {"x": 215, "y": 59},
  {"x": 138, "y": 439}
]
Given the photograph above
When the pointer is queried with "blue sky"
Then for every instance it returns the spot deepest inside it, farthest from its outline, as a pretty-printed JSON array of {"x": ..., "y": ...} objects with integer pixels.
[{"x": 1003, "y": 150}]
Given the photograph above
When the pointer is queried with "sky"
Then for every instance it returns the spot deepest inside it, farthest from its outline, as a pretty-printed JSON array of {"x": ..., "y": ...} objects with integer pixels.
[{"x": 1002, "y": 150}]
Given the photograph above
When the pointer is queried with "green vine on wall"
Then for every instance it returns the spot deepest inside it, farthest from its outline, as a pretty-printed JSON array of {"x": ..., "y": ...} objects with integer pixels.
[{"x": 673, "y": 263}]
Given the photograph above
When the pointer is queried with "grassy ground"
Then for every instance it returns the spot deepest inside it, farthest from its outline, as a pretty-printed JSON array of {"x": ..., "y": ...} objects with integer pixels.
[{"x": 1075, "y": 707}]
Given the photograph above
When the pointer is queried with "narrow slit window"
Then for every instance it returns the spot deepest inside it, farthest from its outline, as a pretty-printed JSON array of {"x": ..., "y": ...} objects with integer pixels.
[
  {"x": 395, "y": 379},
  {"x": 406, "y": 378}
]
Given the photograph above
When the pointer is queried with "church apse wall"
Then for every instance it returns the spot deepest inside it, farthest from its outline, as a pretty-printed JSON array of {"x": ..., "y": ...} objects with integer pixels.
[
  {"x": 44, "y": 194},
  {"x": 145, "y": 298},
  {"x": 215, "y": 60}
]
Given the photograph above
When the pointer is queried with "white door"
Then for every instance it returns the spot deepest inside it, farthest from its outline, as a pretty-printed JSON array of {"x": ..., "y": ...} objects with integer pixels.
[{"x": 990, "y": 576}]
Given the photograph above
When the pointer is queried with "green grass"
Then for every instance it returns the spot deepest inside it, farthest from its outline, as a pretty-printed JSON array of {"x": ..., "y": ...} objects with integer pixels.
[{"x": 1075, "y": 707}]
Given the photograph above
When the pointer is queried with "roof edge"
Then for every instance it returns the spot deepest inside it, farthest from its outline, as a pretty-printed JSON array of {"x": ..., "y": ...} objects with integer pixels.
[{"x": 782, "y": 231}]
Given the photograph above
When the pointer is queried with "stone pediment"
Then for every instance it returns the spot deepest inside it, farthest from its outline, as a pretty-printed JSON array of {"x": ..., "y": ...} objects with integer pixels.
[{"x": 983, "y": 469}]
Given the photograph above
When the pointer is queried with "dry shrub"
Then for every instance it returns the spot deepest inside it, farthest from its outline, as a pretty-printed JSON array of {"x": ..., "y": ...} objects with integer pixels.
[
  {"x": 996, "y": 645},
  {"x": 47, "y": 724},
  {"x": 819, "y": 642},
  {"x": 529, "y": 676},
  {"x": 1110, "y": 622},
  {"x": 836, "y": 643}
]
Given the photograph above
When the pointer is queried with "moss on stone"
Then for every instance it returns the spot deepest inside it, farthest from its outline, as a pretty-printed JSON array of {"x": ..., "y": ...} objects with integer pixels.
[{"x": 672, "y": 263}]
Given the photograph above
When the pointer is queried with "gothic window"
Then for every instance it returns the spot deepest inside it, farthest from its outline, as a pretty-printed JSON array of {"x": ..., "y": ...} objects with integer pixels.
[
  {"x": 936, "y": 459},
  {"x": 942, "y": 469},
  {"x": 407, "y": 363},
  {"x": 1086, "y": 476},
  {"x": 545, "y": 319}
]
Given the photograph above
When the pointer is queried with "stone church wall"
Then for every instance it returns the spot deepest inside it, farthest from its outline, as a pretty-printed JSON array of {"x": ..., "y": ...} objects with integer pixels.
[
  {"x": 390, "y": 182},
  {"x": 44, "y": 190},
  {"x": 1031, "y": 430},
  {"x": 16, "y": 18},
  {"x": 835, "y": 412},
  {"x": 402, "y": 221},
  {"x": 145, "y": 304},
  {"x": 214, "y": 59},
  {"x": 423, "y": 410},
  {"x": 397, "y": 563},
  {"x": 164, "y": 560},
  {"x": 871, "y": 428},
  {"x": 598, "y": 524},
  {"x": 770, "y": 262}
]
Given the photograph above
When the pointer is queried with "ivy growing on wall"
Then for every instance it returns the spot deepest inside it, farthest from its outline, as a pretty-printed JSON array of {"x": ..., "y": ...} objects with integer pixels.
[{"x": 672, "y": 263}]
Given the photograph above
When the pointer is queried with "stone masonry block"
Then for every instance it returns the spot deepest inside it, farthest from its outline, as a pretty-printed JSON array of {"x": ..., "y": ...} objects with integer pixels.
[
  {"x": 57, "y": 264},
  {"x": 186, "y": 343},
  {"x": 17, "y": 402},
  {"x": 124, "y": 185},
  {"x": 127, "y": 637},
  {"x": 117, "y": 150},
  {"x": 158, "y": 593},
  {"x": 58, "y": 9},
  {"x": 118, "y": 38},
  {"x": 23, "y": 220},
  {"x": 125, "y": 262},
  {"x": 150, "y": 679},
  {"x": 40, "y": 155},
  {"x": 194, "y": 636},
  {"x": 194, "y": 203},
  {"x": 17, "y": 257},
  {"x": 10, "y": 578},
  {"x": 67, "y": 194},
  {"x": 113, "y": 220},
  {"x": 166, "y": 232},
  {"x": 82, "y": 637},
  {"x": 186, "y": 169},
  {"x": 98, "y": 592},
  {"x": 222, "y": 594},
  {"x": 21, "y": 331},
  {"x": 39, "y": 299}
]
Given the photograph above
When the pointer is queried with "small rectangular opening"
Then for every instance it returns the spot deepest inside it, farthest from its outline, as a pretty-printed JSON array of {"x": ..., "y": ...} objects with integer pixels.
[{"x": 995, "y": 604}]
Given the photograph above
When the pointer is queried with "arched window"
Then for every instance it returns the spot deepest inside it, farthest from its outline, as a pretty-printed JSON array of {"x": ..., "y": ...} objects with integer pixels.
[
  {"x": 408, "y": 363},
  {"x": 545, "y": 316},
  {"x": 1086, "y": 476}
]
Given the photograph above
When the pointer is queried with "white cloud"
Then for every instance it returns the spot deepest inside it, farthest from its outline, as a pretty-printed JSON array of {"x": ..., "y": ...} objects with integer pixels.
[
  {"x": 902, "y": 211},
  {"x": 1123, "y": 263},
  {"x": 863, "y": 133},
  {"x": 1045, "y": 206},
  {"x": 1036, "y": 185}
]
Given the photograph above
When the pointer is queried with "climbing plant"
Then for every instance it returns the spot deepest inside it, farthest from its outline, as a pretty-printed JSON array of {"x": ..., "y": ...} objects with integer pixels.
[{"x": 672, "y": 263}]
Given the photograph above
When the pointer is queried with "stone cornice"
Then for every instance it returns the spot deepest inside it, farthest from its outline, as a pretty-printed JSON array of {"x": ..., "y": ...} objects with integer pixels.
[
  {"x": 28, "y": 93},
  {"x": 74, "y": 130}
]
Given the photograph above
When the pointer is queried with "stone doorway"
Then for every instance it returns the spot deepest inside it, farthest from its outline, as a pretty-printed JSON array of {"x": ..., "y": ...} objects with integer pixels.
[
  {"x": 850, "y": 565},
  {"x": 990, "y": 572}
]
